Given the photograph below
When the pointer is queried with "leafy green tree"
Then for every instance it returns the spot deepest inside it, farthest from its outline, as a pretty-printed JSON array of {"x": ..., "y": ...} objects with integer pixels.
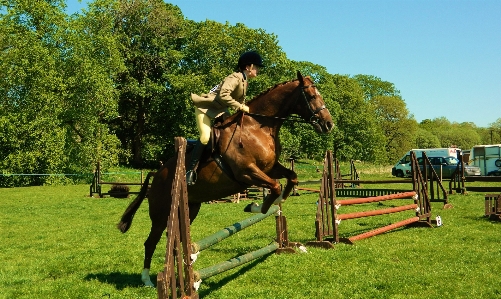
[
  {"x": 463, "y": 135},
  {"x": 426, "y": 139},
  {"x": 147, "y": 34},
  {"x": 492, "y": 134},
  {"x": 90, "y": 66},
  {"x": 397, "y": 125},
  {"x": 392, "y": 115},
  {"x": 358, "y": 135},
  {"x": 29, "y": 92},
  {"x": 49, "y": 111},
  {"x": 373, "y": 86}
]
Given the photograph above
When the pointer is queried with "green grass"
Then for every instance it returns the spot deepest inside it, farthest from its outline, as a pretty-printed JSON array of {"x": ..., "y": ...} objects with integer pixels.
[{"x": 56, "y": 242}]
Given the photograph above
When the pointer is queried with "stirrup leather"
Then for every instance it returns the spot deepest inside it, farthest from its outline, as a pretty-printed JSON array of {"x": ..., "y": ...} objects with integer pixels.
[{"x": 191, "y": 177}]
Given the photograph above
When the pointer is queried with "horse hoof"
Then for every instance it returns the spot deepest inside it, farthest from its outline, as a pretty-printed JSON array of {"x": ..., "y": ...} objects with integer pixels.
[
  {"x": 248, "y": 208},
  {"x": 145, "y": 278},
  {"x": 253, "y": 208}
]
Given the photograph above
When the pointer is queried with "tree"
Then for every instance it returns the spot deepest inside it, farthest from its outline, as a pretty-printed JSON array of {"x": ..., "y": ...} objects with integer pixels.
[
  {"x": 373, "y": 86},
  {"x": 463, "y": 135},
  {"x": 492, "y": 134},
  {"x": 49, "y": 111},
  {"x": 391, "y": 113},
  {"x": 426, "y": 139},
  {"x": 358, "y": 135},
  {"x": 397, "y": 125},
  {"x": 148, "y": 33}
]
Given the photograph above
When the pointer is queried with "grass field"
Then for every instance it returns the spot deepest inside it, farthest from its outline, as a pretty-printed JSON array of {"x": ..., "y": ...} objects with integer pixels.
[{"x": 56, "y": 242}]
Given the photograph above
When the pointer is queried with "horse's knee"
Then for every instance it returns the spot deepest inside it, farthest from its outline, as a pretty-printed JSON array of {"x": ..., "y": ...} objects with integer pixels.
[{"x": 275, "y": 189}]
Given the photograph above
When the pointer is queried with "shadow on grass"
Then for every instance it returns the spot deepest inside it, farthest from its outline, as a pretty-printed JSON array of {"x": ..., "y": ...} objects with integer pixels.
[
  {"x": 119, "y": 280},
  {"x": 213, "y": 286},
  {"x": 127, "y": 280}
]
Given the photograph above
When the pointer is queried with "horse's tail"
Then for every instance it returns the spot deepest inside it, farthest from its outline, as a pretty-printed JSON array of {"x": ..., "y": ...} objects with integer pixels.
[{"x": 126, "y": 220}]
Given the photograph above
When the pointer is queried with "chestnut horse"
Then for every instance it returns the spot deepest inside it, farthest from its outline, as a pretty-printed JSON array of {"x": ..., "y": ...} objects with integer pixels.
[{"x": 250, "y": 147}]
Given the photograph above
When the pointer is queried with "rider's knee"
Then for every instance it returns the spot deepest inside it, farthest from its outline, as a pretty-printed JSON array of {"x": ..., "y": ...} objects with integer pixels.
[{"x": 204, "y": 138}]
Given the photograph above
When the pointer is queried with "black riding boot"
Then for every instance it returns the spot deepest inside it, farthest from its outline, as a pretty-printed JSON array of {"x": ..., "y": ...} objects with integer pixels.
[{"x": 196, "y": 153}]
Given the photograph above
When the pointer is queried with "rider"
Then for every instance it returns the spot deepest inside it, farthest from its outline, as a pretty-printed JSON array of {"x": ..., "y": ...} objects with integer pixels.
[{"x": 229, "y": 93}]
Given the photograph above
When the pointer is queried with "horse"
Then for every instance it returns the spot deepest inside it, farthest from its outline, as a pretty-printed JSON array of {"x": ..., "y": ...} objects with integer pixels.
[{"x": 249, "y": 146}]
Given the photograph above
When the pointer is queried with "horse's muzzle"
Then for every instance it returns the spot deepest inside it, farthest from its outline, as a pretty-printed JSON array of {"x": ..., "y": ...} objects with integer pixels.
[{"x": 322, "y": 126}]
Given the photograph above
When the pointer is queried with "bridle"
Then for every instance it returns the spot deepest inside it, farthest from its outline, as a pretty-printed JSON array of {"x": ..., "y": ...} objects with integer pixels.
[{"x": 314, "y": 113}]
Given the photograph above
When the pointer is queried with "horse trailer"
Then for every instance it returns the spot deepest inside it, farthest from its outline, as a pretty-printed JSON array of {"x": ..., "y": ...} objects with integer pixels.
[{"x": 488, "y": 158}]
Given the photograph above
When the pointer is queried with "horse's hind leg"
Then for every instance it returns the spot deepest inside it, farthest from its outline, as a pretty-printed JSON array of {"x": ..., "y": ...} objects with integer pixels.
[
  {"x": 150, "y": 244},
  {"x": 156, "y": 232}
]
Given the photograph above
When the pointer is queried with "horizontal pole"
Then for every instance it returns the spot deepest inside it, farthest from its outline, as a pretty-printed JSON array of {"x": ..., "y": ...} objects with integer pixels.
[
  {"x": 355, "y": 201},
  {"x": 483, "y": 189},
  {"x": 376, "y": 212},
  {"x": 483, "y": 178},
  {"x": 230, "y": 230},
  {"x": 309, "y": 182},
  {"x": 308, "y": 189},
  {"x": 117, "y": 183},
  {"x": 384, "y": 229},
  {"x": 373, "y": 181},
  {"x": 234, "y": 262}
]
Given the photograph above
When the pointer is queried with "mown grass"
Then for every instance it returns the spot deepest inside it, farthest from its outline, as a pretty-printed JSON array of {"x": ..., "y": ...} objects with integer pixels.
[{"x": 56, "y": 242}]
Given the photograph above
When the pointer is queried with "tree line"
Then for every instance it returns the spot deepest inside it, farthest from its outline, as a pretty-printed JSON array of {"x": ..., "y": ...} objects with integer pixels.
[{"x": 112, "y": 85}]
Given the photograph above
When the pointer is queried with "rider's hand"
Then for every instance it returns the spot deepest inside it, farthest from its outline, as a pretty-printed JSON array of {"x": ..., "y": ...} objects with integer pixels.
[{"x": 244, "y": 108}]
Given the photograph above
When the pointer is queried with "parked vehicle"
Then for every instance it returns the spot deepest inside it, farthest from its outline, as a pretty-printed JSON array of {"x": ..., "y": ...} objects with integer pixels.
[
  {"x": 403, "y": 166},
  {"x": 488, "y": 158},
  {"x": 446, "y": 166}
]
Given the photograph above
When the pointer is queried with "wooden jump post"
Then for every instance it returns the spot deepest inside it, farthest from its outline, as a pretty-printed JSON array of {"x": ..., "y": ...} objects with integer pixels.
[
  {"x": 179, "y": 279},
  {"x": 328, "y": 219},
  {"x": 493, "y": 206},
  {"x": 97, "y": 184},
  {"x": 341, "y": 189}
]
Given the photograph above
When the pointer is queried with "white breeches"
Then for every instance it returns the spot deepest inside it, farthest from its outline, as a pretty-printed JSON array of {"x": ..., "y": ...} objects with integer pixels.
[{"x": 203, "y": 125}]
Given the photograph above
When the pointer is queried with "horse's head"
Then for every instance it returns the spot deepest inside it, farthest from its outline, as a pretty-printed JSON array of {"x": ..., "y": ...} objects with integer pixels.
[{"x": 311, "y": 106}]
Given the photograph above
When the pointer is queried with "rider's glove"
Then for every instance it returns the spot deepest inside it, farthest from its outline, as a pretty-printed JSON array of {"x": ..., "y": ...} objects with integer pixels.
[{"x": 244, "y": 108}]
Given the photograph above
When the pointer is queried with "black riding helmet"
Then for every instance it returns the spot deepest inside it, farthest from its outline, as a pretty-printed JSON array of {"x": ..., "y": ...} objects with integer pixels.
[{"x": 248, "y": 58}]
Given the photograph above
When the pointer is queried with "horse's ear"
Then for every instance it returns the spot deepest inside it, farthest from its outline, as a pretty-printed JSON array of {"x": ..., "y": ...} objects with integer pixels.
[{"x": 300, "y": 77}]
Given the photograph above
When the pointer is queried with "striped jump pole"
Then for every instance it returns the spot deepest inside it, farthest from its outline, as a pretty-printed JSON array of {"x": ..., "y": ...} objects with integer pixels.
[
  {"x": 328, "y": 219},
  {"x": 345, "y": 202},
  {"x": 381, "y": 230},
  {"x": 230, "y": 230},
  {"x": 280, "y": 245},
  {"x": 376, "y": 212},
  {"x": 234, "y": 262}
]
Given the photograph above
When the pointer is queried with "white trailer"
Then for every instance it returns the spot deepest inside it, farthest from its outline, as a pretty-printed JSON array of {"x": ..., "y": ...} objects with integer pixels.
[
  {"x": 487, "y": 157},
  {"x": 403, "y": 166}
]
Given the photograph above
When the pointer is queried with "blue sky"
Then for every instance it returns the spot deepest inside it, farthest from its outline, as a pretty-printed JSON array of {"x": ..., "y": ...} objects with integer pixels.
[{"x": 443, "y": 55}]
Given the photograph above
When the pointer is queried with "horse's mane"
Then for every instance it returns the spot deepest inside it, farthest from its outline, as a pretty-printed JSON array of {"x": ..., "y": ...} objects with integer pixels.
[{"x": 270, "y": 89}]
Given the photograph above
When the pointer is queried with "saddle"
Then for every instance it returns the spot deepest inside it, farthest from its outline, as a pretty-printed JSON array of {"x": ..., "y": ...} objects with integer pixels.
[{"x": 211, "y": 151}]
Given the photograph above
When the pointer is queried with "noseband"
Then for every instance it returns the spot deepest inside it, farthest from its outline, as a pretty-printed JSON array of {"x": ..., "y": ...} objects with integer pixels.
[{"x": 314, "y": 113}]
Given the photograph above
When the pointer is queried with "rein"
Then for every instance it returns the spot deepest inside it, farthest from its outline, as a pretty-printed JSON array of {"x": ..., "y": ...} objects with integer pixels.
[
  {"x": 294, "y": 118},
  {"x": 313, "y": 119},
  {"x": 297, "y": 119}
]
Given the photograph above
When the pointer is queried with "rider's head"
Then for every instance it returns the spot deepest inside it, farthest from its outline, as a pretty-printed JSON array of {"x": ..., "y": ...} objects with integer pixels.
[{"x": 250, "y": 62}]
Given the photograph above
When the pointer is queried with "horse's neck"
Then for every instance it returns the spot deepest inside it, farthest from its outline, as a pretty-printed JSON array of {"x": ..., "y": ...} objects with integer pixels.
[{"x": 276, "y": 103}]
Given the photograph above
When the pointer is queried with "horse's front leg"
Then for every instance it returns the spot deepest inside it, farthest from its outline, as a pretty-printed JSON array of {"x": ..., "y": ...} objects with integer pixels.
[
  {"x": 258, "y": 178},
  {"x": 278, "y": 172},
  {"x": 253, "y": 176}
]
